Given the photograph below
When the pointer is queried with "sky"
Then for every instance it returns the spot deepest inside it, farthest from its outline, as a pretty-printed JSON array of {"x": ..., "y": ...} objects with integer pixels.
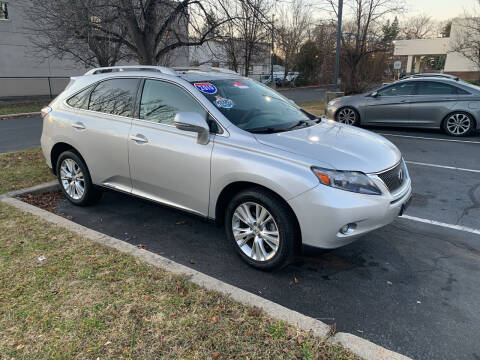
[{"x": 440, "y": 9}]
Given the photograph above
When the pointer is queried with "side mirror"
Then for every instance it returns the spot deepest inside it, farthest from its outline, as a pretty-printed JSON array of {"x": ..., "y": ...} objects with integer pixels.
[
  {"x": 374, "y": 94},
  {"x": 192, "y": 121}
]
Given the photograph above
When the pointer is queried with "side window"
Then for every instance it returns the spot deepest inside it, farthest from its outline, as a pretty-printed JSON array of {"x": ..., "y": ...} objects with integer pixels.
[
  {"x": 116, "y": 96},
  {"x": 161, "y": 101},
  {"x": 435, "y": 88},
  {"x": 81, "y": 99},
  {"x": 462, "y": 92},
  {"x": 405, "y": 88}
]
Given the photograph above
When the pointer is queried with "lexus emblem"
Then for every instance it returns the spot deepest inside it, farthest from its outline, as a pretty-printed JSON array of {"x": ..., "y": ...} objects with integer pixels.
[{"x": 400, "y": 175}]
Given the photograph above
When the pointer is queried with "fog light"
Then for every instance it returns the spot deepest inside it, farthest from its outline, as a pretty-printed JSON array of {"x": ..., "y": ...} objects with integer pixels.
[{"x": 348, "y": 229}]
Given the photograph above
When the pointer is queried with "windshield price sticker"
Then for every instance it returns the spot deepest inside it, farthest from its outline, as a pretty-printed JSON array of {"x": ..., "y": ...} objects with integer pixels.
[
  {"x": 224, "y": 103},
  {"x": 206, "y": 87}
]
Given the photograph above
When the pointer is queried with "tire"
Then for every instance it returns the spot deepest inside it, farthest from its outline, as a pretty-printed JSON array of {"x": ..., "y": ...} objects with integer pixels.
[
  {"x": 75, "y": 180},
  {"x": 347, "y": 115},
  {"x": 258, "y": 249},
  {"x": 458, "y": 124}
]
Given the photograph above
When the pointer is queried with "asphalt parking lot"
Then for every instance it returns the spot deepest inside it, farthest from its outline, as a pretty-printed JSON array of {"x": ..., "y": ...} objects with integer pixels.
[{"x": 411, "y": 286}]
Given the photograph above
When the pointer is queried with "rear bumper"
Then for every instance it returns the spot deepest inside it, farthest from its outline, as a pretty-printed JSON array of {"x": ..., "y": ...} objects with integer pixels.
[{"x": 323, "y": 211}]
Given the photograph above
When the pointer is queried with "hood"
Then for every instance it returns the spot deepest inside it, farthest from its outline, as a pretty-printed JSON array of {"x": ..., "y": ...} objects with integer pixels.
[{"x": 344, "y": 147}]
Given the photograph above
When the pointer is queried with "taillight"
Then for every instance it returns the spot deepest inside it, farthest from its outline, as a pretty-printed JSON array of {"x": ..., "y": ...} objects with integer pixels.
[{"x": 45, "y": 111}]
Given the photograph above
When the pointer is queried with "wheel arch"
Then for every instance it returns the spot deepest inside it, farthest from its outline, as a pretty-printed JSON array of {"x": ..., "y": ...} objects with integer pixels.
[
  {"x": 229, "y": 191},
  {"x": 57, "y": 150}
]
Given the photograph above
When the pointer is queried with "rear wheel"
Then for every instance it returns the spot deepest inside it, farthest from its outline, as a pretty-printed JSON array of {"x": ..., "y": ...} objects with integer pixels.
[
  {"x": 75, "y": 180},
  {"x": 261, "y": 228},
  {"x": 347, "y": 115},
  {"x": 458, "y": 124}
]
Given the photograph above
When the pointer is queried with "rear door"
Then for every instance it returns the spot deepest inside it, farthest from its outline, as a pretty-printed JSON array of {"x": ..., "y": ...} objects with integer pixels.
[
  {"x": 100, "y": 125},
  {"x": 432, "y": 101},
  {"x": 167, "y": 164},
  {"x": 391, "y": 106}
]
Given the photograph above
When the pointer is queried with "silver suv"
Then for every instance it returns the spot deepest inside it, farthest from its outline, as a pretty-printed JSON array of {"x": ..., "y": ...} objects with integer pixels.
[{"x": 226, "y": 148}]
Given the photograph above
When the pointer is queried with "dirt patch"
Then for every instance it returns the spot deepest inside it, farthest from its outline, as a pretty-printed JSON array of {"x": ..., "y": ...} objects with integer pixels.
[{"x": 45, "y": 200}]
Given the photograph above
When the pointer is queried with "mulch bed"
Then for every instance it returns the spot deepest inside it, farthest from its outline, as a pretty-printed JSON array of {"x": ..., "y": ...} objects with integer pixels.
[{"x": 45, "y": 200}]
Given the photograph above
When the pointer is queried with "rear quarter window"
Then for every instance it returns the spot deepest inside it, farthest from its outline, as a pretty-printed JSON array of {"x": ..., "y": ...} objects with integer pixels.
[{"x": 81, "y": 99}]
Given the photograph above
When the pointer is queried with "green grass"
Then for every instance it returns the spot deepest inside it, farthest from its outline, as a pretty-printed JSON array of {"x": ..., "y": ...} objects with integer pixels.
[
  {"x": 18, "y": 108},
  {"x": 20, "y": 169},
  {"x": 87, "y": 301},
  {"x": 315, "y": 107}
]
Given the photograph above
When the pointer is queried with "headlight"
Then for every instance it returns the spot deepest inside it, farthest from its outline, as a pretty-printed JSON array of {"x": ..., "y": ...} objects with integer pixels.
[
  {"x": 333, "y": 102},
  {"x": 353, "y": 181}
]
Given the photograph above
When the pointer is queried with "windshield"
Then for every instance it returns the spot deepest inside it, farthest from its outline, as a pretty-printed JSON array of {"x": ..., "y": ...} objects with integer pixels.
[{"x": 251, "y": 106}]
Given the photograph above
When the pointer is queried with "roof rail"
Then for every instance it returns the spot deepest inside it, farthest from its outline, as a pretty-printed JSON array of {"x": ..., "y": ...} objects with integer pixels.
[
  {"x": 205, "y": 68},
  {"x": 439, "y": 75},
  {"x": 162, "y": 69}
]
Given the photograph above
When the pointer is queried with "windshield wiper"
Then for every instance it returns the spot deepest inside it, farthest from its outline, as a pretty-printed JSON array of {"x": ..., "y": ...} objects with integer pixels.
[
  {"x": 299, "y": 123},
  {"x": 268, "y": 130}
]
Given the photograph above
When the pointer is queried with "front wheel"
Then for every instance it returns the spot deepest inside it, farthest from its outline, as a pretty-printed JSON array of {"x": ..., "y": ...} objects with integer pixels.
[
  {"x": 347, "y": 115},
  {"x": 261, "y": 228},
  {"x": 75, "y": 180},
  {"x": 458, "y": 124}
]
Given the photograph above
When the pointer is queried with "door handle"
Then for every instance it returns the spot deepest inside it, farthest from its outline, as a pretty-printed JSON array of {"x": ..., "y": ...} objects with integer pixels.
[
  {"x": 78, "y": 126},
  {"x": 404, "y": 101},
  {"x": 139, "y": 139}
]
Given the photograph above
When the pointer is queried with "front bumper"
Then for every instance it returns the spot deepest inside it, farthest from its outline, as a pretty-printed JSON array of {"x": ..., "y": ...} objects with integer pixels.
[
  {"x": 330, "y": 113},
  {"x": 323, "y": 211}
]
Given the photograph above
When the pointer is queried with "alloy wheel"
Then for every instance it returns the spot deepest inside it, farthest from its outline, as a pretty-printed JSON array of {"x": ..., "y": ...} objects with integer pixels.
[
  {"x": 255, "y": 231},
  {"x": 72, "y": 178},
  {"x": 458, "y": 124},
  {"x": 347, "y": 116}
]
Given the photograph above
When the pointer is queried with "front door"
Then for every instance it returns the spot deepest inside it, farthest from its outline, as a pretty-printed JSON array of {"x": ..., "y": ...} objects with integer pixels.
[
  {"x": 391, "y": 106},
  {"x": 167, "y": 164}
]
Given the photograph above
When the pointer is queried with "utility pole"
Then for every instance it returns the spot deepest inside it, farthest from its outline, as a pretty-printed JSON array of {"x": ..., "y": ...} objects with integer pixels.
[
  {"x": 272, "y": 54},
  {"x": 339, "y": 38}
]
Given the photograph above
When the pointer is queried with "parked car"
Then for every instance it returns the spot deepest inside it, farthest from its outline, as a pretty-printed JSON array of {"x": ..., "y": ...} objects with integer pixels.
[
  {"x": 227, "y": 148},
  {"x": 422, "y": 101}
]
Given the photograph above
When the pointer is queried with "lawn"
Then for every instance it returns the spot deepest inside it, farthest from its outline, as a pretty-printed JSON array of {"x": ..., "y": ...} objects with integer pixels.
[
  {"x": 22, "y": 169},
  {"x": 315, "y": 107},
  {"x": 63, "y": 296},
  {"x": 17, "y": 108}
]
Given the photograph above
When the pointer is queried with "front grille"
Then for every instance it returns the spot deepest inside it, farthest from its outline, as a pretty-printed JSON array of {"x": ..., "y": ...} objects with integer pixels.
[{"x": 395, "y": 177}]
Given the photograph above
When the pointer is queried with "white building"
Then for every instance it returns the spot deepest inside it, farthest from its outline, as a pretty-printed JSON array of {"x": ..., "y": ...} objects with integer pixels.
[{"x": 438, "y": 51}]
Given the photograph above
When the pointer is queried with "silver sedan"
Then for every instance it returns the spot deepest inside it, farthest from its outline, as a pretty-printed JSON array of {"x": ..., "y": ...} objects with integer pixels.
[{"x": 424, "y": 102}]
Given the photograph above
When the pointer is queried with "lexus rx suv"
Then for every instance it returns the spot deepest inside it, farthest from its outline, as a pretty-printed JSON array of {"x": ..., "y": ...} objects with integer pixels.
[{"x": 226, "y": 148}]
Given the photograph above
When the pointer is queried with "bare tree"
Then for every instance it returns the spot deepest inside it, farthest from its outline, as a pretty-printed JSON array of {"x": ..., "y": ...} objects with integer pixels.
[
  {"x": 69, "y": 29},
  {"x": 466, "y": 38},
  {"x": 419, "y": 27},
  {"x": 362, "y": 39},
  {"x": 292, "y": 31},
  {"x": 148, "y": 29}
]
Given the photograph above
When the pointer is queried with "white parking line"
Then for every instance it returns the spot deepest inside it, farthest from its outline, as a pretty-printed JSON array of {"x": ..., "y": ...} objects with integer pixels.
[
  {"x": 438, "y": 223},
  {"x": 430, "y": 138},
  {"x": 442, "y": 166}
]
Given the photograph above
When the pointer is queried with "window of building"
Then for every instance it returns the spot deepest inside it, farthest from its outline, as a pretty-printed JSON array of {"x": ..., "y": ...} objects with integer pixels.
[{"x": 3, "y": 10}]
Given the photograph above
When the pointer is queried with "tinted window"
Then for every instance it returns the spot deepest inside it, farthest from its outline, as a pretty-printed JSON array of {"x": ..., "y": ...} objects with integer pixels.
[
  {"x": 81, "y": 99},
  {"x": 435, "y": 88},
  {"x": 161, "y": 101},
  {"x": 250, "y": 105},
  {"x": 405, "y": 88},
  {"x": 116, "y": 96}
]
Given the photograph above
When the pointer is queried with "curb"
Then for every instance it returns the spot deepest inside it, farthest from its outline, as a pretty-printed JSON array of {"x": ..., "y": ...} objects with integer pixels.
[
  {"x": 11, "y": 116},
  {"x": 360, "y": 347}
]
